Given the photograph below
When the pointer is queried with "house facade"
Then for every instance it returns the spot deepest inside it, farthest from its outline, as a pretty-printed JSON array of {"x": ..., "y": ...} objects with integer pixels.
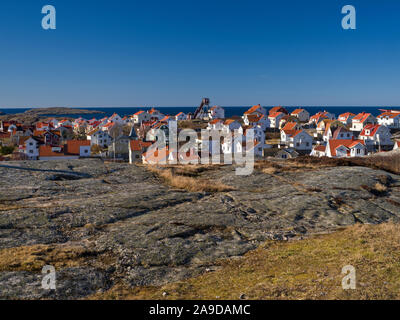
[
  {"x": 361, "y": 120},
  {"x": 301, "y": 114}
]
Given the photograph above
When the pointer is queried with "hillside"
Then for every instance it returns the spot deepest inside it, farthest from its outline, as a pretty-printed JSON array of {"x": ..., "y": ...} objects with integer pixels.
[{"x": 106, "y": 226}]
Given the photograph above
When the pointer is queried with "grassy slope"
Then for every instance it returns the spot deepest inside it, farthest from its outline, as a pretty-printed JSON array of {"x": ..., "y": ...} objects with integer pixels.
[{"x": 304, "y": 269}]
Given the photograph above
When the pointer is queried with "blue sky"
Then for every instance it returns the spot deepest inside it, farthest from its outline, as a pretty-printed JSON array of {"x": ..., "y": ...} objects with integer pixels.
[{"x": 172, "y": 53}]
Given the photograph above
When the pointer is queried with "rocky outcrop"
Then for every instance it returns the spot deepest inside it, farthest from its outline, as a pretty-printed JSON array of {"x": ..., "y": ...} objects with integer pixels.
[{"x": 131, "y": 228}]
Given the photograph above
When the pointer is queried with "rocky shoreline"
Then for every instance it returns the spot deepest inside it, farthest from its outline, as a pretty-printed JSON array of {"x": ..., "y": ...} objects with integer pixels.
[{"x": 104, "y": 224}]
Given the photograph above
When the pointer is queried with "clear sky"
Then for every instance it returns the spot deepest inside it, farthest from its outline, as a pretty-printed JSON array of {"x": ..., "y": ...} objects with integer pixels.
[{"x": 173, "y": 53}]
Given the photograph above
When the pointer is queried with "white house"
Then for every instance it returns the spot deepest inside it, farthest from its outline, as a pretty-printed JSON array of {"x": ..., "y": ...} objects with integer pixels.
[
  {"x": 140, "y": 117},
  {"x": 31, "y": 148},
  {"x": 155, "y": 114},
  {"x": 216, "y": 124},
  {"x": 300, "y": 140},
  {"x": 100, "y": 138},
  {"x": 361, "y": 120},
  {"x": 318, "y": 117},
  {"x": 275, "y": 119},
  {"x": 389, "y": 118},
  {"x": 78, "y": 147},
  {"x": 257, "y": 110},
  {"x": 376, "y": 137},
  {"x": 230, "y": 124},
  {"x": 302, "y": 114},
  {"x": 342, "y": 133},
  {"x": 256, "y": 120},
  {"x": 216, "y": 112},
  {"x": 181, "y": 116},
  {"x": 116, "y": 119},
  {"x": 346, "y": 148},
  {"x": 346, "y": 118},
  {"x": 319, "y": 151},
  {"x": 288, "y": 130}
]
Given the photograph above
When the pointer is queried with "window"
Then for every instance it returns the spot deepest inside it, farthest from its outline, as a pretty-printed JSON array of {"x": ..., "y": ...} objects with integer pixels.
[
  {"x": 30, "y": 143},
  {"x": 298, "y": 144},
  {"x": 307, "y": 144},
  {"x": 30, "y": 151},
  {"x": 86, "y": 151},
  {"x": 358, "y": 151}
]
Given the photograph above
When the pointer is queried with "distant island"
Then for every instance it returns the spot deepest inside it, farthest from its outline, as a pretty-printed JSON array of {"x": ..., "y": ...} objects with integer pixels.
[
  {"x": 36, "y": 114},
  {"x": 60, "y": 111}
]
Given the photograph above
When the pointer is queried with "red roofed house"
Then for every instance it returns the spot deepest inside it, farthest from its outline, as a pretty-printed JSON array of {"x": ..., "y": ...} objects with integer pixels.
[
  {"x": 275, "y": 118},
  {"x": 318, "y": 117},
  {"x": 256, "y": 120},
  {"x": 361, "y": 120},
  {"x": 155, "y": 114},
  {"x": 346, "y": 148},
  {"x": 319, "y": 151},
  {"x": 230, "y": 125},
  {"x": 181, "y": 117},
  {"x": 302, "y": 114},
  {"x": 389, "y": 118},
  {"x": 288, "y": 130},
  {"x": 141, "y": 116},
  {"x": 396, "y": 145},
  {"x": 216, "y": 124},
  {"x": 300, "y": 140},
  {"x": 278, "y": 109},
  {"x": 346, "y": 118},
  {"x": 376, "y": 137},
  {"x": 216, "y": 112},
  {"x": 78, "y": 147},
  {"x": 256, "y": 110},
  {"x": 136, "y": 150}
]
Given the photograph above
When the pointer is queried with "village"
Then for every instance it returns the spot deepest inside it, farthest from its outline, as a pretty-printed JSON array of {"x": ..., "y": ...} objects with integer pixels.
[{"x": 277, "y": 133}]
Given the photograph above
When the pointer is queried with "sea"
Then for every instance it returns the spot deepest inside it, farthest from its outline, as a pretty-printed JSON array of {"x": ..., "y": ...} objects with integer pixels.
[{"x": 229, "y": 111}]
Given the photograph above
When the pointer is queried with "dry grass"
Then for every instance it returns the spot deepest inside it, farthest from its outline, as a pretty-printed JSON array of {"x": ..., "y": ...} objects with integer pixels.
[
  {"x": 389, "y": 163},
  {"x": 188, "y": 183},
  {"x": 34, "y": 258},
  {"x": 305, "y": 269}
]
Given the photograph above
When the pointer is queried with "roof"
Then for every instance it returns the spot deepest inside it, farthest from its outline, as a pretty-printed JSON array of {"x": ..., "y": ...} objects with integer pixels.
[
  {"x": 278, "y": 109},
  {"x": 320, "y": 148},
  {"x": 138, "y": 145},
  {"x": 73, "y": 146},
  {"x": 139, "y": 112},
  {"x": 157, "y": 155},
  {"x": 229, "y": 121},
  {"x": 361, "y": 117},
  {"x": 47, "y": 151},
  {"x": 93, "y": 132},
  {"x": 254, "y": 117},
  {"x": 297, "y": 111},
  {"x": 390, "y": 114},
  {"x": 215, "y": 121},
  {"x": 347, "y": 143},
  {"x": 319, "y": 115},
  {"x": 371, "y": 128},
  {"x": 180, "y": 113},
  {"x": 290, "y": 126},
  {"x": 253, "y": 109},
  {"x": 339, "y": 131},
  {"x": 345, "y": 116},
  {"x": 275, "y": 114}
]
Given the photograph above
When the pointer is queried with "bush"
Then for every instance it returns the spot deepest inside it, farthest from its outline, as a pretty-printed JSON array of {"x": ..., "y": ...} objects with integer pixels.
[{"x": 4, "y": 150}]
